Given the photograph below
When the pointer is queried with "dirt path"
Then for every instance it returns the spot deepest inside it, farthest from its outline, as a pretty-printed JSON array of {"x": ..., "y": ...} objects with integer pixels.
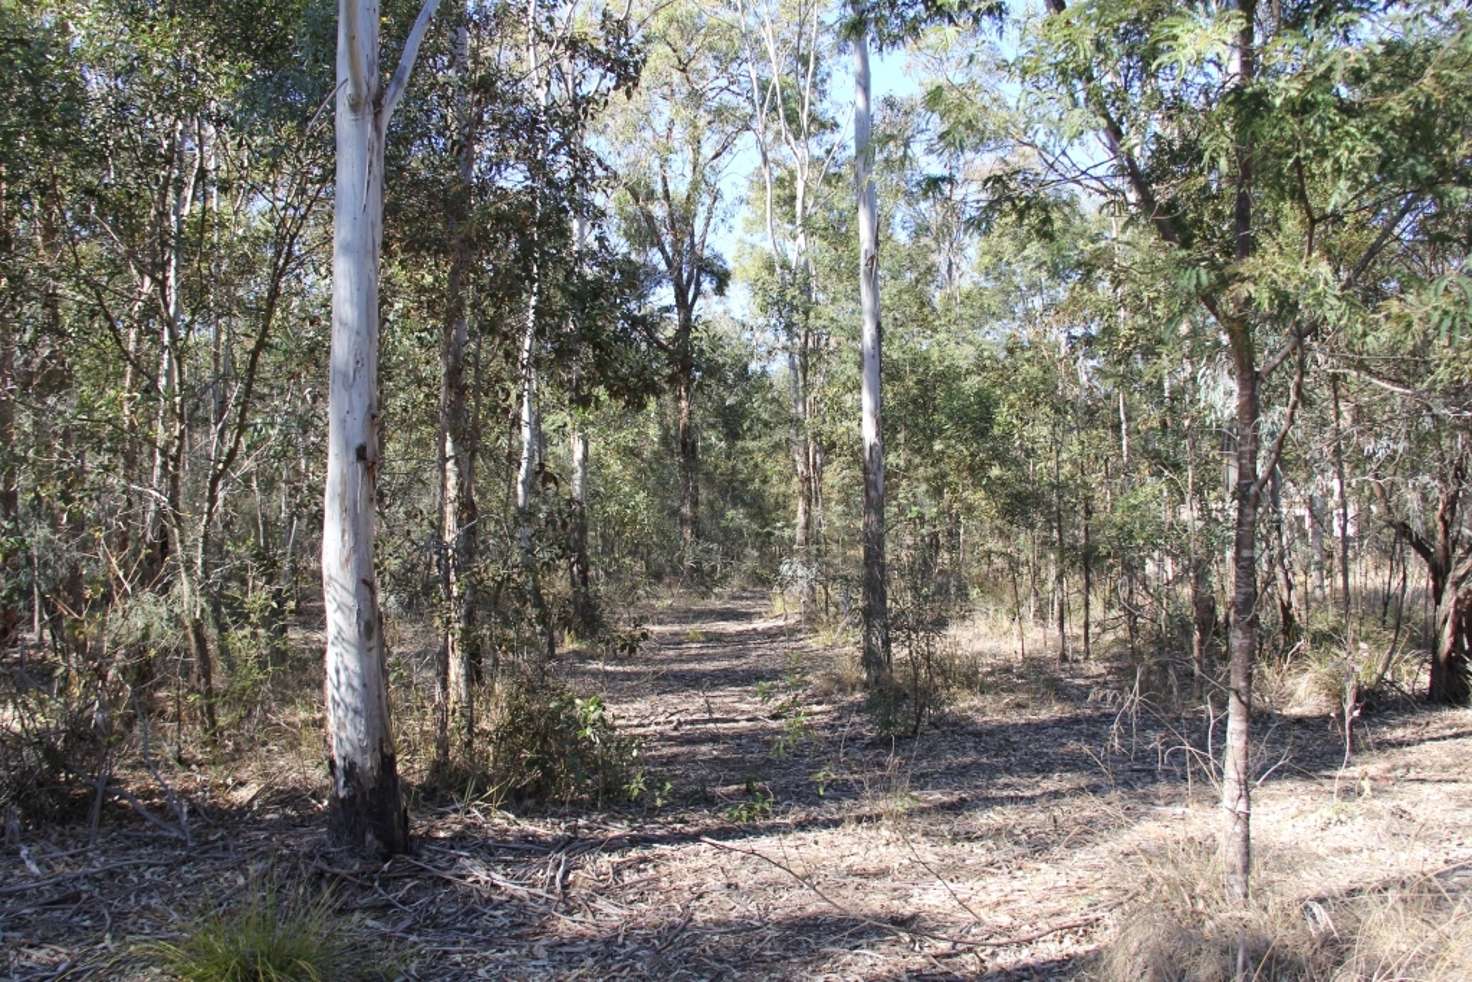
[{"x": 791, "y": 841}]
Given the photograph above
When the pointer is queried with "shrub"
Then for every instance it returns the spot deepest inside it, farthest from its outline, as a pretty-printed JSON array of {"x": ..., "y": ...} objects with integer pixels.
[{"x": 550, "y": 745}]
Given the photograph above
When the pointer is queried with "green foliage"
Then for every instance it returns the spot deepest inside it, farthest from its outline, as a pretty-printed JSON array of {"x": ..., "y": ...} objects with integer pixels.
[
  {"x": 550, "y": 745},
  {"x": 756, "y": 808}
]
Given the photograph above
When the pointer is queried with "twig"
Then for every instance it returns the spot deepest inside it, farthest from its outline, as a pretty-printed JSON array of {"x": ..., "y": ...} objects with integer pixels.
[{"x": 62, "y": 877}]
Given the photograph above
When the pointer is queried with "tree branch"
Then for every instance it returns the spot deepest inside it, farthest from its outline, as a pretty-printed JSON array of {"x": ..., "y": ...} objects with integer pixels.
[
  {"x": 357, "y": 71},
  {"x": 400, "y": 80}
]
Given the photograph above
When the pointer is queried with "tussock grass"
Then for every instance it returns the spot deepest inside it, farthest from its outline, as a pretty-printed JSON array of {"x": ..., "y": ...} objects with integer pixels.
[
  {"x": 1179, "y": 926},
  {"x": 273, "y": 937}
]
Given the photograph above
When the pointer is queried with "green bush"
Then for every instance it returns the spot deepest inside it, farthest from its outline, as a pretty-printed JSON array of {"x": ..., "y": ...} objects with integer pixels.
[{"x": 550, "y": 745}]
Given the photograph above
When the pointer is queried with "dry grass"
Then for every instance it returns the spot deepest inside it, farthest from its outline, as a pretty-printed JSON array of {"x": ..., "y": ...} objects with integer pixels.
[{"x": 1179, "y": 925}]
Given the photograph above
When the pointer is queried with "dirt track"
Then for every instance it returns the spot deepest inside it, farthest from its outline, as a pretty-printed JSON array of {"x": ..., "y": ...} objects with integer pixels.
[{"x": 791, "y": 844}]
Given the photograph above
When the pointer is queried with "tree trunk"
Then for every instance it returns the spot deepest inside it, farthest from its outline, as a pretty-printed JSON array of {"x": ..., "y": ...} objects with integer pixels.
[
  {"x": 585, "y": 612},
  {"x": 687, "y": 444},
  {"x": 526, "y": 477},
  {"x": 10, "y": 592},
  {"x": 1087, "y": 561},
  {"x": 1341, "y": 493},
  {"x": 1242, "y": 640},
  {"x": 876, "y": 656},
  {"x": 1060, "y": 584},
  {"x": 365, "y": 809},
  {"x": 459, "y": 437},
  {"x": 1282, "y": 568},
  {"x": 1451, "y": 684},
  {"x": 804, "y": 535}
]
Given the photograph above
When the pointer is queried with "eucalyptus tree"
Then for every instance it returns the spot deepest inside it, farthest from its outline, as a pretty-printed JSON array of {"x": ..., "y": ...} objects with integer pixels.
[
  {"x": 366, "y": 811},
  {"x": 786, "y": 50},
  {"x": 671, "y": 143}
]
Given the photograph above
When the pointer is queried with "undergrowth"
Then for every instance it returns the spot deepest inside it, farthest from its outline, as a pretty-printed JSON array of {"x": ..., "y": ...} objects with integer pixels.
[
  {"x": 1179, "y": 926},
  {"x": 274, "y": 937},
  {"x": 548, "y": 744}
]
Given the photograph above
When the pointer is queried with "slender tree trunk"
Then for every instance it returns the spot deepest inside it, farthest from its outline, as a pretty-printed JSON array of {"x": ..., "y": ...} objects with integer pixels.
[
  {"x": 1242, "y": 642},
  {"x": 459, "y": 438},
  {"x": 365, "y": 808},
  {"x": 1341, "y": 494},
  {"x": 1060, "y": 584},
  {"x": 876, "y": 656},
  {"x": 10, "y": 592},
  {"x": 687, "y": 443},
  {"x": 805, "y": 533},
  {"x": 526, "y": 477},
  {"x": 1088, "y": 566},
  {"x": 585, "y": 612},
  {"x": 1236, "y": 838},
  {"x": 1282, "y": 568}
]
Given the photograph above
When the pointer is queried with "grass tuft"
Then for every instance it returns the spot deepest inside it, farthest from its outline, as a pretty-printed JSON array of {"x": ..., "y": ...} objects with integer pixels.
[{"x": 269, "y": 939}]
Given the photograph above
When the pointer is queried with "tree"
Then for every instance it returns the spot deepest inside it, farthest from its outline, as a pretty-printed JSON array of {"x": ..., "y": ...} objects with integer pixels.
[
  {"x": 1246, "y": 192},
  {"x": 676, "y": 135},
  {"x": 366, "y": 811},
  {"x": 796, "y": 143},
  {"x": 876, "y": 653}
]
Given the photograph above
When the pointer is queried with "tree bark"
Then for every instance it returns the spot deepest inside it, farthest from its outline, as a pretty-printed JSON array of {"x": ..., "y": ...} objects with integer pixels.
[
  {"x": 1088, "y": 571},
  {"x": 585, "y": 612},
  {"x": 876, "y": 655},
  {"x": 365, "y": 808},
  {"x": 1341, "y": 495},
  {"x": 1060, "y": 583},
  {"x": 1242, "y": 640}
]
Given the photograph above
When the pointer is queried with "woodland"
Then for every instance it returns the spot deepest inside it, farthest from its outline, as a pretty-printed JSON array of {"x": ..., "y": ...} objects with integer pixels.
[{"x": 736, "y": 489}]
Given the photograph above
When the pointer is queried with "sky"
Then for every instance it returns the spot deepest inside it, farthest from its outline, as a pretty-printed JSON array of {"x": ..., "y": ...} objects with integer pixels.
[{"x": 888, "y": 77}]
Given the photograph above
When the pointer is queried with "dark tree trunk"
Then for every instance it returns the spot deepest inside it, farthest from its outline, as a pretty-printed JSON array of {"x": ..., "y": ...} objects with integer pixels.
[
  {"x": 1242, "y": 639},
  {"x": 688, "y": 446}
]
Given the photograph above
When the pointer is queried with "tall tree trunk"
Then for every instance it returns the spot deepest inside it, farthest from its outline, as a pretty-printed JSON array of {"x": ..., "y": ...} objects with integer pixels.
[
  {"x": 10, "y": 592},
  {"x": 459, "y": 436},
  {"x": 1060, "y": 583},
  {"x": 365, "y": 808},
  {"x": 876, "y": 655},
  {"x": 1088, "y": 565},
  {"x": 804, "y": 534},
  {"x": 1242, "y": 643},
  {"x": 526, "y": 478},
  {"x": 1341, "y": 494},
  {"x": 1242, "y": 640}
]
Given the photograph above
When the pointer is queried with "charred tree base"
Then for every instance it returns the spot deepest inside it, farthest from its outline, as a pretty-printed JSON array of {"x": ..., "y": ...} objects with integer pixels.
[{"x": 369, "y": 819}]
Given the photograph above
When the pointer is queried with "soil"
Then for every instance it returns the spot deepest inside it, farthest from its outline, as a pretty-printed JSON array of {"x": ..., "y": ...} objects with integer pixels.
[{"x": 783, "y": 836}]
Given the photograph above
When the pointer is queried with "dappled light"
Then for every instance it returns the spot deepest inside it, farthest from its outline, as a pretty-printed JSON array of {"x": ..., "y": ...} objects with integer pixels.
[{"x": 755, "y": 489}]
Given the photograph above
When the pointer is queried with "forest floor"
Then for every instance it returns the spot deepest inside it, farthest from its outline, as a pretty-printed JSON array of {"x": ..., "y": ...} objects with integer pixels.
[{"x": 1010, "y": 840}]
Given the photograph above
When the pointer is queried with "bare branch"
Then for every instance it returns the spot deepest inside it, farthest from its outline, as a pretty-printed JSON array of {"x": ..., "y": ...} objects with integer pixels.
[{"x": 400, "y": 80}]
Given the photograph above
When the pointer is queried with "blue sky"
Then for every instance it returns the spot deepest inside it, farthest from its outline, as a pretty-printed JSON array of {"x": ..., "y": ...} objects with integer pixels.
[{"x": 888, "y": 77}]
